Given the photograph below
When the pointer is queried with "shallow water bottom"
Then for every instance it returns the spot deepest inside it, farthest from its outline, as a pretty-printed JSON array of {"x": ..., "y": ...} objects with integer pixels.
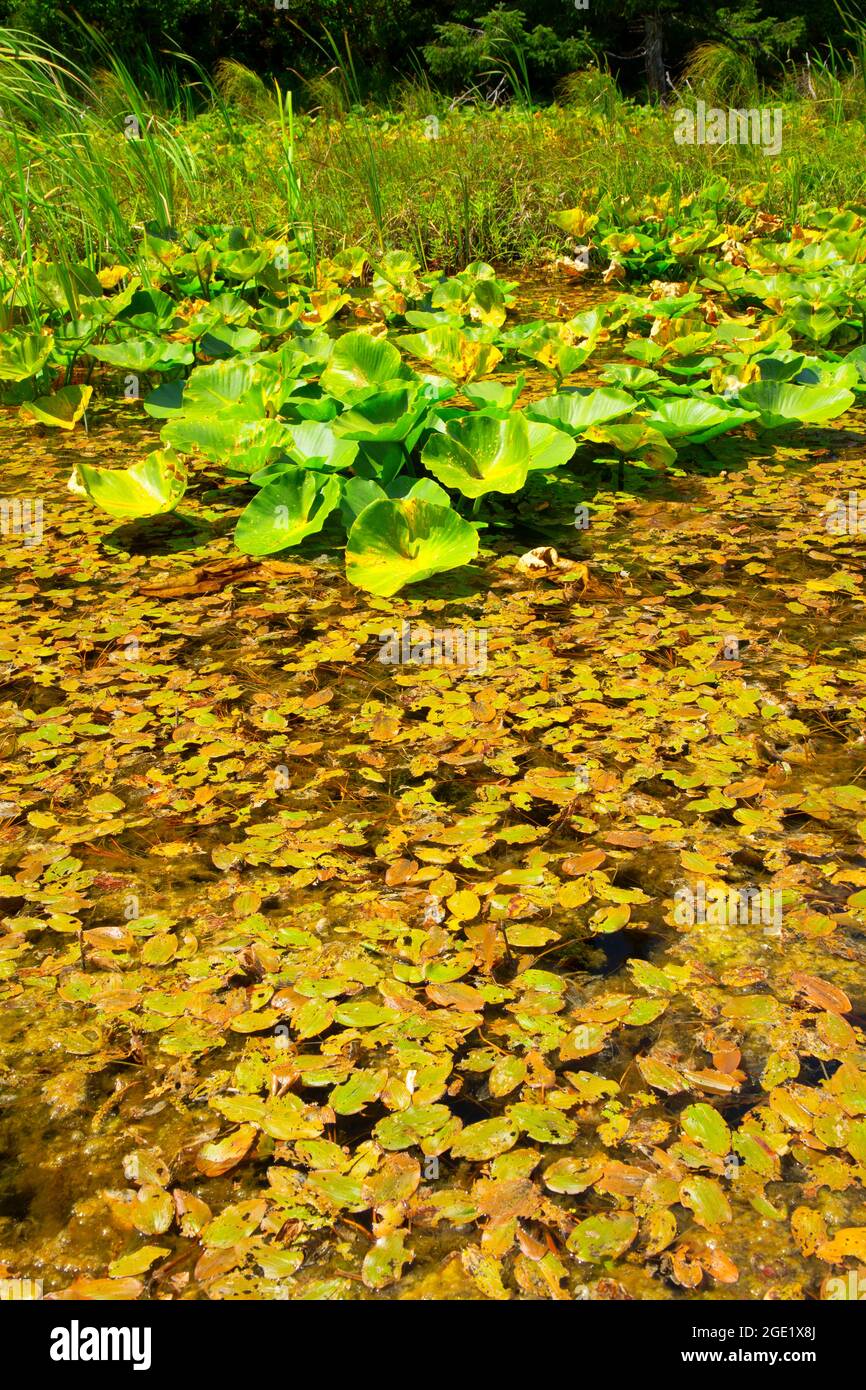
[{"x": 282, "y": 920}]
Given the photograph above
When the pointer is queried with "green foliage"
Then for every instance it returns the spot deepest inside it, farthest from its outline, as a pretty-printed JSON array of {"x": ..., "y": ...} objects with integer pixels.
[
  {"x": 398, "y": 954},
  {"x": 394, "y": 543},
  {"x": 499, "y": 49},
  {"x": 344, "y": 426},
  {"x": 398, "y": 44},
  {"x": 722, "y": 75},
  {"x": 149, "y": 488}
]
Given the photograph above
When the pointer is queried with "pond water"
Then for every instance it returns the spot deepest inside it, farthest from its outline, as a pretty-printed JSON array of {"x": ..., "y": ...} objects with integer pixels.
[{"x": 221, "y": 808}]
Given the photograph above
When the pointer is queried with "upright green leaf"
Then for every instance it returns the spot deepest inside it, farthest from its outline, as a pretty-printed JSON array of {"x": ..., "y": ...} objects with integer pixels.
[
  {"x": 295, "y": 505},
  {"x": 148, "y": 488},
  {"x": 393, "y": 543}
]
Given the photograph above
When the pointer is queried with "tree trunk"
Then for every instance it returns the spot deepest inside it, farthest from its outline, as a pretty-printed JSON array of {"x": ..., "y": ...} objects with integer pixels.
[{"x": 654, "y": 57}]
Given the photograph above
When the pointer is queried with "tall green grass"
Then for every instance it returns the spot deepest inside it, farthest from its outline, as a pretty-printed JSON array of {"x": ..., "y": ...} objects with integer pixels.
[
  {"x": 855, "y": 30},
  {"x": 87, "y": 163}
]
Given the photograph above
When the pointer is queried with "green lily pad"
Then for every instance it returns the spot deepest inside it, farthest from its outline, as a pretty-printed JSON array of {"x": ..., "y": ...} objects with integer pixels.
[
  {"x": 360, "y": 363},
  {"x": 575, "y": 411},
  {"x": 705, "y": 1198},
  {"x": 480, "y": 454},
  {"x": 64, "y": 409},
  {"x": 500, "y": 396},
  {"x": 137, "y": 1262},
  {"x": 384, "y": 1261},
  {"x": 573, "y": 1175},
  {"x": 389, "y": 415},
  {"x": 314, "y": 444},
  {"x": 688, "y": 417},
  {"x": 545, "y": 1124},
  {"x": 145, "y": 353},
  {"x": 486, "y": 1139},
  {"x": 452, "y": 352},
  {"x": 782, "y": 403},
  {"x": 23, "y": 355},
  {"x": 361, "y": 1088},
  {"x": 234, "y": 1223},
  {"x": 405, "y": 1128},
  {"x": 603, "y": 1237},
  {"x": 705, "y": 1126},
  {"x": 548, "y": 446},
  {"x": 339, "y": 1190}
]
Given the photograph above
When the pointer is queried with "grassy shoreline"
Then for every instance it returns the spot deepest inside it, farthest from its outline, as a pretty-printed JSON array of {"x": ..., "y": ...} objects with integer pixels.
[{"x": 89, "y": 162}]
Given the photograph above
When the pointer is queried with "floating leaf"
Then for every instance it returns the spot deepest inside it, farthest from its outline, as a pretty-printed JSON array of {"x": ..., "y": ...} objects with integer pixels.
[
  {"x": 706, "y": 1127},
  {"x": 361, "y": 1089},
  {"x": 214, "y": 1159},
  {"x": 486, "y": 1139},
  {"x": 408, "y": 1127},
  {"x": 543, "y": 1123},
  {"x": 137, "y": 1262},
  {"x": 601, "y": 1238},
  {"x": 284, "y": 512},
  {"x": 847, "y": 1243},
  {"x": 384, "y": 1261},
  {"x": 706, "y": 1199}
]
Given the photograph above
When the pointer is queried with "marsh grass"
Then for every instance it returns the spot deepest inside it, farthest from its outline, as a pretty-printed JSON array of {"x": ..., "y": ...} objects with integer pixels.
[
  {"x": 486, "y": 186},
  {"x": 480, "y": 182},
  {"x": 722, "y": 75},
  {"x": 74, "y": 182}
]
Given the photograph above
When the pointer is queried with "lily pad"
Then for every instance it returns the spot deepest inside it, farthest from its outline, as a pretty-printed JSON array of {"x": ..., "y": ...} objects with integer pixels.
[
  {"x": 64, "y": 409},
  {"x": 480, "y": 454},
  {"x": 486, "y": 1139},
  {"x": 601, "y": 1237}
]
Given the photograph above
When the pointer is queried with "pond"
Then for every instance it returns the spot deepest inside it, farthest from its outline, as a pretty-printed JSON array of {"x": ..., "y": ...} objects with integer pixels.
[{"x": 332, "y": 976}]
